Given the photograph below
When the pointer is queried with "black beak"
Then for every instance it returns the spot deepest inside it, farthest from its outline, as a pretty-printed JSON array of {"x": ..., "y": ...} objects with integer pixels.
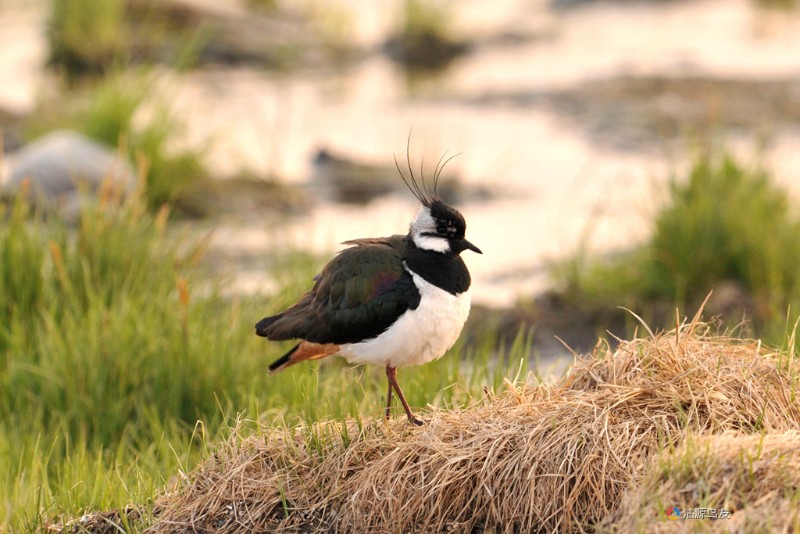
[{"x": 464, "y": 244}]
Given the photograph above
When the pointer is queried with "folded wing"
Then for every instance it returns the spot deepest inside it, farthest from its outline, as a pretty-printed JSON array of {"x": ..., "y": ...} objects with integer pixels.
[{"x": 357, "y": 296}]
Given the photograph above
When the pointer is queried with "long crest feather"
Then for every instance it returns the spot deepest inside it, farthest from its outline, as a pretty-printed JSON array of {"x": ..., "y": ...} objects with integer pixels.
[{"x": 422, "y": 188}]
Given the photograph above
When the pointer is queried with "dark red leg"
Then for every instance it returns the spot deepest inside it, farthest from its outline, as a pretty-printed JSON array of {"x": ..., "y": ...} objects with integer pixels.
[
  {"x": 388, "y": 399},
  {"x": 391, "y": 374}
]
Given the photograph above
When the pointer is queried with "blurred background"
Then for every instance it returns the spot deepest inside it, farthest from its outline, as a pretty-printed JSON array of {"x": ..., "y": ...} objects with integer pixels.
[
  {"x": 565, "y": 115},
  {"x": 271, "y": 125},
  {"x": 174, "y": 170}
]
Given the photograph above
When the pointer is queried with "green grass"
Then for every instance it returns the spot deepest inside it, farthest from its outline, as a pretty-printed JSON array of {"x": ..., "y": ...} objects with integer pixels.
[
  {"x": 99, "y": 359},
  {"x": 724, "y": 221},
  {"x": 106, "y": 111},
  {"x": 423, "y": 40},
  {"x": 87, "y": 37},
  {"x": 727, "y": 222},
  {"x": 424, "y": 18},
  {"x": 112, "y": 349}
]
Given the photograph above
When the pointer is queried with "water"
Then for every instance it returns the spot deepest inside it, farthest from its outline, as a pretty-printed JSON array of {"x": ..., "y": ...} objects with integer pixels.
[{"x": 556, "y": 184}]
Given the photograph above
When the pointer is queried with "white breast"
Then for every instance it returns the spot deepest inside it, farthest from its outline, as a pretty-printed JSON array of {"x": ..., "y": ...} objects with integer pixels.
[{"x": 418, "y": 336}]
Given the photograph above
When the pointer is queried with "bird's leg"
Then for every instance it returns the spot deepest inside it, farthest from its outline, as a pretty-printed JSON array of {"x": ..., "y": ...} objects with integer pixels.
[
  {"x": 391, "y": 374},
  {"x": 388, "y": 398}
]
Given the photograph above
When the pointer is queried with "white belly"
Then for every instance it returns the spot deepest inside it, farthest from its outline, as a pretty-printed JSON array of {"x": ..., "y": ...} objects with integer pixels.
[{"x": 418, "y": 336}]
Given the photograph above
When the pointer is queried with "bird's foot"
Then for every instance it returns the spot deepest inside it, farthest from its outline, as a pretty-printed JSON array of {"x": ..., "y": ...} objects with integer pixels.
[{"x": 414, "y": 420}]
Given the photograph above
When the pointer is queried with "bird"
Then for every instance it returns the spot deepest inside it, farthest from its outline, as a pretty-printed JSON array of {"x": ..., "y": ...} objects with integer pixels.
[{"x": 394, "y": 301}]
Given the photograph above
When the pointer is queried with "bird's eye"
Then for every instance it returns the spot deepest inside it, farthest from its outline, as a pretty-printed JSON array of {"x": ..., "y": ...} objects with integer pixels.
[{"x": 441, "y": 229}]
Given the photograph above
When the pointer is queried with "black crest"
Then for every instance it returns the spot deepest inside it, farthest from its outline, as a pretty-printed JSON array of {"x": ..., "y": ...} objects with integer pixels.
[{"x": 422, "y": 188}]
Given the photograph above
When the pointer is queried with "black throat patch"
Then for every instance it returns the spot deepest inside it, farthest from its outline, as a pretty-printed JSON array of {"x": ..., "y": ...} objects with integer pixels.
[{"x": 445, "y": 271}]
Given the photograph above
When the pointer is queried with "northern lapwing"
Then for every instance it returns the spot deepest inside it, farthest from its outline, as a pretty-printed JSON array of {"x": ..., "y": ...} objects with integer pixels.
[{"x": 394, "y": 301}]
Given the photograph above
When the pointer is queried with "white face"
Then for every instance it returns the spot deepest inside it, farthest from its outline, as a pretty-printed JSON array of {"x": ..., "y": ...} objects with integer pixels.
[{"x": 424, "y": 223}]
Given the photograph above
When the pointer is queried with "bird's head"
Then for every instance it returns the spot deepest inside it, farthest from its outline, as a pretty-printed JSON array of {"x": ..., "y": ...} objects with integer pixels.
[
  {"x": 436, "y": 227},
  {"x": 440, "y": 228}
]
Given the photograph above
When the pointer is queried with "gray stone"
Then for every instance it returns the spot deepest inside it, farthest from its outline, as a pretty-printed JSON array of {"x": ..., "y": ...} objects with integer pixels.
[{"x": 64, "y": 167}]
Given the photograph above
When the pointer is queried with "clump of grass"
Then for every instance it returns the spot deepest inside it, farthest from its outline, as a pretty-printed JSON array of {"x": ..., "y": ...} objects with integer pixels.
[
  {"x": 87, "y": 293},
  {"x": 87, "y": 37},
  {"x": 421, "y": 18},
  {"x": 21, "y": 288},
  {"x": 727, "y": 222},
  {"x": 547, "y": 456},
  {"x": 724, "y": 222},
  {"x": 104, "y": 357},
  {"x": 107, "y": 112},
  {"x": 423, "y": 40},
  {"x": 755, "y": 478}
]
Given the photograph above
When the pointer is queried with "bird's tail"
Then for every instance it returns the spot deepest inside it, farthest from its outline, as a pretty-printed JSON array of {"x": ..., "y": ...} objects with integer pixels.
[
  {"x": 283, "y": 361},
  {"x": 305, "y": 350}
]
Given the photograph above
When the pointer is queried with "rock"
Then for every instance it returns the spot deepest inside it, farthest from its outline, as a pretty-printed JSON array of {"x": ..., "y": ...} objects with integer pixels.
[
  {"x": 245, "y": 197},
  {"x": 424, "y": 41},
  {"x": 424, "y": 51},
  {"x": 340, "y": 179},
  {"x": 63, "y": 168},
  {"x": 343, "y": 180}
]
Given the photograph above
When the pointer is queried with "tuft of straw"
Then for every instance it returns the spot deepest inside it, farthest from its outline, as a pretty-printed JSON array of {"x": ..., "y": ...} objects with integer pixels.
[
  {"x": 532, "y": 458},
  {"x": 753, "y": 478}
]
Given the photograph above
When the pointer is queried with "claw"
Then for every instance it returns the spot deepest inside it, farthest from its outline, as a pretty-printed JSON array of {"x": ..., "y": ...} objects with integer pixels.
[
  {"x": 391, "y": 375},
  {"x": 415, "y": 421}
]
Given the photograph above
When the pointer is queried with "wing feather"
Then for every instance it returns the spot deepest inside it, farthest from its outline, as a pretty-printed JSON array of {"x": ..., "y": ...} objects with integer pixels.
[{"x": 357, "y": 296}]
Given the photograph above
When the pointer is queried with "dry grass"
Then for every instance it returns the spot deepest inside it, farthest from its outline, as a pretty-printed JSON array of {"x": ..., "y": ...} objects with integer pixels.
[
  {"x": 757, "y": 477},
  {"x": 532, "y": 458}
]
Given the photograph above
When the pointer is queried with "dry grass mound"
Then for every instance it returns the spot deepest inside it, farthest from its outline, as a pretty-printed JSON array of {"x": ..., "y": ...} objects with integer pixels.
[
  {"x": 533, "y": 458},
  {"x": 755, "y": 477}
]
